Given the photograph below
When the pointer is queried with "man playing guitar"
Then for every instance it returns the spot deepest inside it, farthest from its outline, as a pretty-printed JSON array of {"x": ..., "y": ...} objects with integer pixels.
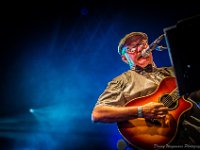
[{"x": 144, "y": 101}]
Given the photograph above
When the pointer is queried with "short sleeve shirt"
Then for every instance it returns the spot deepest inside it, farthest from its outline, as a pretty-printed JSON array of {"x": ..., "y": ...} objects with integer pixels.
[{"x": 131, "y": 84}]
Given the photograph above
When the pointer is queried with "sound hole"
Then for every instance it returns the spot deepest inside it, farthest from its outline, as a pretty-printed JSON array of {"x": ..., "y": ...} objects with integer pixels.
[{"x": 167, "y": 100}]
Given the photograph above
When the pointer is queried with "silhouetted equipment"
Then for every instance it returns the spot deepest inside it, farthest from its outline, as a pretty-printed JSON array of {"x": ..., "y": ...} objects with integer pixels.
[{"x": 183, "y": 41}]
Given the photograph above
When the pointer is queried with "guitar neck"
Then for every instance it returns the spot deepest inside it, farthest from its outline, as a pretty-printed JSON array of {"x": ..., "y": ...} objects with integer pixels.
[{"x": 175, "y": 95}]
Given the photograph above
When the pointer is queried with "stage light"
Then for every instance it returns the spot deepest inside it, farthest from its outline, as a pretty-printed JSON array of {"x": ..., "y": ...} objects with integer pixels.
[
  {"x": 31, "y": 110},
  {"x": 84, "y": 11}
]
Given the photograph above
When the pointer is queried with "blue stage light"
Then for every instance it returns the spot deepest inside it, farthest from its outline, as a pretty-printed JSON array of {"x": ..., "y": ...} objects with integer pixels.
[{"x": 31, "y": 110}]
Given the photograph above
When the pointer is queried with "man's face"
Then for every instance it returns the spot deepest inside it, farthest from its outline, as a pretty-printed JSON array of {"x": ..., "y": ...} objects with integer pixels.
[{"x": 134, "y": 50}]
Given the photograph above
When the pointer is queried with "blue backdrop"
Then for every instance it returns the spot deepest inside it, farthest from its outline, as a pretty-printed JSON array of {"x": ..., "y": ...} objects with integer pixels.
[{"x": 56, "y": 60}]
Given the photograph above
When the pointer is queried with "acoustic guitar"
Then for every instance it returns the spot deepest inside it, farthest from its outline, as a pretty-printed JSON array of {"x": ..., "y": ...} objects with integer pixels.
[{"x": 150, "y": 134}]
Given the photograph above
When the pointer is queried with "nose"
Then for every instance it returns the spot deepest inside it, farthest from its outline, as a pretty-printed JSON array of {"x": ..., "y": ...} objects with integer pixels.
[{"x": 140, "y": 48}]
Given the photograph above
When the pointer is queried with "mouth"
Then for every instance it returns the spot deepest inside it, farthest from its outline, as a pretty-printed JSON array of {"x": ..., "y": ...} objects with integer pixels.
[{"x": 139, "y": 56}]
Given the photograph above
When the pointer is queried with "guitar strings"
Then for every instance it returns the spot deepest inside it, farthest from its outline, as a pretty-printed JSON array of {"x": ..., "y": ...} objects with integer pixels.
[{"x": 168, "y": 100}]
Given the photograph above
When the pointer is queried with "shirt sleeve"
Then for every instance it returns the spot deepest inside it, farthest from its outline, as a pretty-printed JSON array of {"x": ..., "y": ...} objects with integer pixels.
[{"x": 113, "y": 94}]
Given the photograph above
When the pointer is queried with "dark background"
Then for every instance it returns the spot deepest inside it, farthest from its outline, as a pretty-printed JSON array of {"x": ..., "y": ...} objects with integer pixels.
[{"x": 56, "y": 59}]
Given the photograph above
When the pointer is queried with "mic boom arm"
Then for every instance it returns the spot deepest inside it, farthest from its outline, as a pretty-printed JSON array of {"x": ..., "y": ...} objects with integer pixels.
[{"x": 153, "y": 45}]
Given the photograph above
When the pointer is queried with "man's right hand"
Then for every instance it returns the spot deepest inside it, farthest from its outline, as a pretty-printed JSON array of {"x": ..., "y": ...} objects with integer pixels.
[{"x": 154, "y": 110}]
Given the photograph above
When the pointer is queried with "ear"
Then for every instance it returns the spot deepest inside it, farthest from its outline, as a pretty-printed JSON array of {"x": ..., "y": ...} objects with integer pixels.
[{"x": 124, "y": 59}]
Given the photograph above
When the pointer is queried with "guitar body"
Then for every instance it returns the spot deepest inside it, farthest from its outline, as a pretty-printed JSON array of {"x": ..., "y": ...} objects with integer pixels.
[{"x": 151, "y": 134}]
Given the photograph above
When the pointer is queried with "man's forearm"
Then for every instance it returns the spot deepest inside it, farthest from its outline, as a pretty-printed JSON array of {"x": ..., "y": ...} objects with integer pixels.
[{"x": 111, "y": 114}]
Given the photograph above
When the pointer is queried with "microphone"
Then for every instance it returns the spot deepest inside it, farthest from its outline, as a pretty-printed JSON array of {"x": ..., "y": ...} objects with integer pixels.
[{"x": 152, "y": 46}]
